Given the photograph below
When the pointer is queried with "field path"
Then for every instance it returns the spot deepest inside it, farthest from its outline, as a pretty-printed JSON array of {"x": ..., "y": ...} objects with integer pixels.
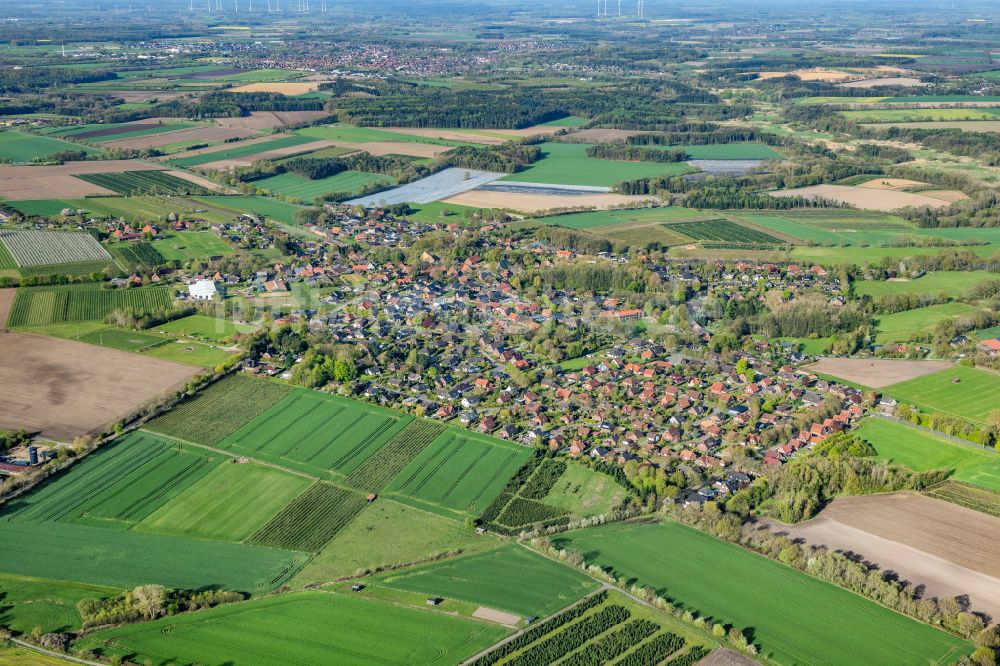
[{"x": 50, "y": 653}]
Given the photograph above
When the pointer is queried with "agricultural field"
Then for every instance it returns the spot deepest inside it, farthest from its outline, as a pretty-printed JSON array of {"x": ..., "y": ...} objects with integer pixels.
[
  {"x": 903, "y": 326},
  {"x": 40, "y": 306},
  {"x": 918, "y": 115},
  {"x": 376, "y": 471},
  {"x": 795, "y": 618},
  {"x": 459, "y": 473},
  {"x": 143, "y": 182},
  {"x": 303, "y": 189},
  {"x": 135, "y": 254},
  {"x": 723, "y": 231},
  {"x": 953, "y": 283},
  {"x": 920, "y": 450},
  {"x": 118, "y": 338},
  {"x": 42, "y": 248},
  {"x": 19, "y": 147},
  {"x": 584, "y": 492},
  {"x": 202, "y": 326},
  {"x": 269, "y": 208},
  {"x": 191, "y": 246},
  {"x": 388, "y": 533},
  {"x": 568, "y": 164},
  {"x": 317, "y": 433},
  {"x": 869, "y": 198},
  {"x": 41, "y": 207},
  {"x": 312, "y": 519},
  {"x": 221, "y": 409},
  {"x": 351, "y": 134},
  {"x": 48, "y": 604},
  {"x": 970, "y": 496},
  {"x": 728, "y": 151},
  {"x": 192, "y": 352},
  {"x": 974, "y": 397},
  {"x": 511, "y": 578},
  {"x": 96, "y": 385},
  {"x": 614, "y": 218},
  {"x": 240, "y": 150},
  {"x": 218, "y": 506},
  {"x": 301, "y": 628}
]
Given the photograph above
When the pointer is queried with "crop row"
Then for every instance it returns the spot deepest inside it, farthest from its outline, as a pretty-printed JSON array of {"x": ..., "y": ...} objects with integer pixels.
[
  {"x": 39, "y": 248},
  {"x": 131, "y": 254},
  {"x": 540, "y": 631},
  {"x": 521, "y": 512},
  {"x": 572, "y": 637},
  {"x": 311, "y": 519},
  {"x": 653, "y": 652},
  {"x": 393, "y": 457},
  {"x": 543, "y": 480},
  {"x": 221, "y": 409},
  {"x": 614, "y": 644},
  {"x": 143, "y": 182},
  {"x": 689, "y": 658},
  {"x": 971, "y": 497},
  {"x": 722, "y": 230},
  {"x": 41, "y": 306}
]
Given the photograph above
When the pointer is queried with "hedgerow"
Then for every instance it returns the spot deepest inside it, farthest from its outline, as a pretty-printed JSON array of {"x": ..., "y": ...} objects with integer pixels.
[
  {"x": 573, "y": 637},
  {"x": 655, "y": 651},
  {"x": 618, "y": 642}
]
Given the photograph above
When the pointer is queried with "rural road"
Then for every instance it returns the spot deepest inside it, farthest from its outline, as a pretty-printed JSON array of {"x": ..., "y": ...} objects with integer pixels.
[{"x": 51, "y": 653}]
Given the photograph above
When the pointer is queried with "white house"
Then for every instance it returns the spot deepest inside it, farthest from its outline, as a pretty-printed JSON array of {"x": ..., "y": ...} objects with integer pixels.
[{"x": 204, "y": 290}]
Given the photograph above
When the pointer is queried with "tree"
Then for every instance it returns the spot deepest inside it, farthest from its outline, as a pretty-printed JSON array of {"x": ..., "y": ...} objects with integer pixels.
[{"x": 150, "y": 599}]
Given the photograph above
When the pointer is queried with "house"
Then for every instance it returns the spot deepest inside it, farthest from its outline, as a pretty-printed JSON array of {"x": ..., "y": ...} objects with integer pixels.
[
  {"x": 205, "y": 290},
  {"x": 992, "y": 345}
]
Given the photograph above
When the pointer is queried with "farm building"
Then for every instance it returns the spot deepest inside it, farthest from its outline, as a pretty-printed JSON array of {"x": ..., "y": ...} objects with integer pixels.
[{"x": 204, "y": 290}]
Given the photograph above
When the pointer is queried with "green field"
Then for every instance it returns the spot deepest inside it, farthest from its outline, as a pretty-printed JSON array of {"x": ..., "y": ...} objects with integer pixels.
[
  {"x": 317, "y": 433},
  {"x": 918, "y": 115},
  {"x": 40, "y": 306},
  {"x": 952, "y": 283},
  {"x": 511, "y": 578},
  {"x": 568, "y": 164},
  {"x": 192, "y": 352},
  {"x": 921, "y": 450},
  {"x": 314, "y": 518},
  {"x": 202, "y": 326},
  {"x": 352, "y": 134},
  {"x": 459, "y": 473},
  {"x": 726, "y": 151},
  {"x": 609, "y": 218},
  {"x": 191, "y": 246},
  {"x": 973, "y": 398},
  {"x": 794, "y": 618},
  {"x": 234, "y": 150},
  {"x": 584, "y": 492},
  {"x": 42, "y": 207},
  {"x": 302, "y": 628},
  {"x": 568, "y": 121},
  {"x": 270, "y": 208},
  {"x": 221, "y": 409},
  {"x": 118, "y": 338},
  {"x": 297, "y": 187},
  {"x": 723, "y": 231},
  {"x": 21, "y": 147},
  {"x": 26, "y": 603},
  {"x": 388, "y": 533},
  {"x": 229, "y": 503},
  {"x": 902, "y": 326},
  {"x": 142, "y": 182}
]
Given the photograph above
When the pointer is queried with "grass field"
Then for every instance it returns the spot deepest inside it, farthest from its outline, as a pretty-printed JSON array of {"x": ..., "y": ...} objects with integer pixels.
[
  {"x": 191, "y": 352},
  {"x": 297, "y": 187},
  {"x": 353, "y": 134},
  {"x": 142, "y": 182},
  {"x": 795, "y": 618},
  {"x": 303, "y": 628},
  {"x": 229, "y": 503},
  {"x": 202, "y": 326},
  {"x": 220, "y": 410},
  {"x": 317, "y": 433},
  {"x": 727, "y": 151},
  {"x": 118, "y": 338},
  {"x": 920, "y": 450},
  {"x": 270, "y": 208},
  {"x": 568, "y": 164},
  {"x": 511, "y": 578},
  {"x": 973, "y": 398},
  {"x": 902, "y": 326},
  {"x": 41, "y": 207},
  {"x": 234, "y": 150},
  {"x": 21, "y": 147},
  {"x": 723, "y": 231},
  {"x": 191, "y": 246},
  {"x": 917, "y": 115},
  {"x": 40, "y": 306},
  {"x": 953, "y": 283},
  {"x": 26, "y": 603},
  {"x": 459, "y": 473},
  {"x": 388, "y": 533},
  {"x": 310, "y": 521},
  {"x": 584, "y": 492},
  {"x": 15, "y": 655},
  {"x": 612, "y": 218}
]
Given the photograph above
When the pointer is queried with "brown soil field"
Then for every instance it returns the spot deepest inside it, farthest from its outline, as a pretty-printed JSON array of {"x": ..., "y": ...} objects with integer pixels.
[
  {"x": 868, "y": 199},
  {"x": 64, "y": 389},
  {"x": 534, "y": 203},
  {"x": 214, "y": 149},
  {"x": 145, "y": 95},
  {"x": 189, "y": 134},
  {"x": 296, "y": 117},
  {"x": 270, "y": 119},
  {"x": 597, "y": 135},
  {"x": 726, "y": 657},
  {"x": 964, "y": 125},
  {"x": 197, "y": 180},
  {"x": 6, "y": 302},
  {"x": 874, "y": 83},
  {"x": 499, "y": 617},
  {"x": 285, "y": 88},
  {"x": 880, "y": 183},
  {"x": 398, "y": 148},
  {"x": 121, "y": 129},
  {"x": 951, "y": 196},
  {"x": 809, "y": 75},
  {"x": 247, "y": 160},
  {"x": 447, "y": 135},
  {"x": 53, "y": 182},
  {"x": 876, "y": 373},
  {"x": 948, "y": 549}
]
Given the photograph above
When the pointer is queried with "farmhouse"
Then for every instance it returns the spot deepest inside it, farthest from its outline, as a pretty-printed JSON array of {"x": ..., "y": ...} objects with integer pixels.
[{"x": 204, "y": 290}]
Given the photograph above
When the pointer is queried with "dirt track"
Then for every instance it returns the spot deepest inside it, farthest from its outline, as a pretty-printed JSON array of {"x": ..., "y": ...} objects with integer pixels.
[
  {"x": 947, "y": 548},
  {"x": 65, "y": 388},
  {"x": 876, "y": 373}
]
